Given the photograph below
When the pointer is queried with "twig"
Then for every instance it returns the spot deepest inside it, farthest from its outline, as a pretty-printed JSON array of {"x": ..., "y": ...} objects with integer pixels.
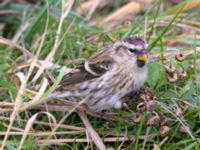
[
  {"x": 92, "y": 10},
  {"x": 83, "y": 140},
  {"x": 39, "y": 134},
  {"x": 180, "y": 25},
  {"x": 2, "y": 12},
  {"x": 69, "y": 105},
  {"x": 163, "y": 141},
  {"x": 93, "y": 134},
  {"x": 64, "y": 118},
  {"x": 10, "y": 43},
  {"x": 13, "y": 128},
  {"x": 146, "y": 138},
  {"x": 23, "y": 27},
  {"x": 68, "y": 127}
]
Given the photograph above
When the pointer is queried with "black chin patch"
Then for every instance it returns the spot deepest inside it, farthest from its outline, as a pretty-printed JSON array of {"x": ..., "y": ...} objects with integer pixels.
[{"x": 140, "y": 63}]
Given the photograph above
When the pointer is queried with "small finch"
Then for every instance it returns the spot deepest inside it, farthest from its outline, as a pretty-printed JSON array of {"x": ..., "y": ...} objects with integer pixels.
[{"x": 107, "y": 76}]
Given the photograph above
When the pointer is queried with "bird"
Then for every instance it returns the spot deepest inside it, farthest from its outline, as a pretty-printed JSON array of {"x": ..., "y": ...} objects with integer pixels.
[{"x": 108, "y": 75}]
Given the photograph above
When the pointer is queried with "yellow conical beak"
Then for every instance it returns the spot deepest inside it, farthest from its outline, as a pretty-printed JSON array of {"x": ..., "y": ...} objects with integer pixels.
[{"x": 142, "y": 57}]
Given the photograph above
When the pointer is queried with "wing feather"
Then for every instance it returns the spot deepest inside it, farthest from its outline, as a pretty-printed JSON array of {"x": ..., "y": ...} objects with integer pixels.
[{"x": 97, "y": 65}]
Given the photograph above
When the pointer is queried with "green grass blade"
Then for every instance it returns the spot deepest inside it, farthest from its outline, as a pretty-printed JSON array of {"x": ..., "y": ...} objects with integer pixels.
[{"x": 152, "y": 45}]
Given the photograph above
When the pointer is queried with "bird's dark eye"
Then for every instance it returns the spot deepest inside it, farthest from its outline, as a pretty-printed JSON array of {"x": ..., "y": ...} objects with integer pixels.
[{"x": 132, "y": 50}]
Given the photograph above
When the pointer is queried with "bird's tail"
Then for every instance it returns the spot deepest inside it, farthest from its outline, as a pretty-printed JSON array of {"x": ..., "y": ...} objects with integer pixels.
[{"x": 56, "y": 95}]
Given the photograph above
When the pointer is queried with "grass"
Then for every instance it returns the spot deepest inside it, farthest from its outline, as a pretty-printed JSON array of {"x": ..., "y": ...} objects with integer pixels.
[{"x": 67, "y": 42}]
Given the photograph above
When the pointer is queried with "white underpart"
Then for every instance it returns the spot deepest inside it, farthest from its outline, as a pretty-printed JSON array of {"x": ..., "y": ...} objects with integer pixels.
[
  {"x": 105, "y": 103},
  {"x": 138, "y": 77}
]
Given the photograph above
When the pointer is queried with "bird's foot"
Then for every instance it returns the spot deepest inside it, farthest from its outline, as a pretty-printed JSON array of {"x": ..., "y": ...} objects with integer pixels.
[{"x": 135, "y": 93}]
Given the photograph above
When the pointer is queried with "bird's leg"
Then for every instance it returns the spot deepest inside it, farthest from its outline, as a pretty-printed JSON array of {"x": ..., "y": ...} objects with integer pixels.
[
  {"x": 134, "y": 93},
  {"x": 125, "y": 107}
]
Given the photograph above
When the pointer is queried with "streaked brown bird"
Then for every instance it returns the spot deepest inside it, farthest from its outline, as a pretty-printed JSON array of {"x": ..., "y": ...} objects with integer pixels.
[{"x": 108, "y": 75}]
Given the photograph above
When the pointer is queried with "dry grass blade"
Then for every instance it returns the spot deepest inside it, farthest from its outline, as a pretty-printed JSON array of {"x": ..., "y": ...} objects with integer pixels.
[
  {"x": 180, "y": 25},
  {"x": 130, "y": 8},
  {"x": 67, "y": 7},
  {"x": 6, "y": 110},
  {"x": 48, "y": 65},
  {"x": 192, "y": 5},
  {"x": 3, "y": 12},
  {"x": 18, "y": 101},
  {"x": 64, "y": 118},
  {"x": 12, "y": 44},
  {"x": 69, "y": 105},
  {"x": 86, "y": 6},
  {"x": 29, "y": 126},
  {"x": 83, "y": 140},
  {"x": 171, "y": 54},
  {"x": 163, "y": 141},
  {"x": 22, "y": 29},
  {"x": 67, "y": 127},
  {"x": 44, "y": 35},
  {"x": 13, "y": 128},
  {"x": 146, "y": 138},
  {"x": 7, "y": 104},
  {"x": 18, "y": 78},
  {"x": 93, "y": 134},
  {"x": 93, "y": 8},
  {"x": 40, "y": 134},
  {"x": 41, "y": 90},
  {"x": 44, "y": 98}
]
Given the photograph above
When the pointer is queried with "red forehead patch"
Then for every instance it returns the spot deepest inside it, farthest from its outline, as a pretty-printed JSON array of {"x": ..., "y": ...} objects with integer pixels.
[{"x": 134, "y": 40}]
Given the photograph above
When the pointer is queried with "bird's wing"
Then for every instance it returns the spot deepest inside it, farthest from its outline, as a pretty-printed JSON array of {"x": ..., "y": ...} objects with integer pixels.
[{"x": 95, "y": 67}]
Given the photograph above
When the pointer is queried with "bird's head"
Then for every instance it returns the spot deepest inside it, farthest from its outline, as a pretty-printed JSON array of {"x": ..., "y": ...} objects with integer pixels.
[{"x": 132, "y": 50}]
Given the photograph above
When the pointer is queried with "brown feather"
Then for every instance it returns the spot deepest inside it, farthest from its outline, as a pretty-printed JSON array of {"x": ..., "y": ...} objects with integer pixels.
[
  {"x": 77, "y": 76},
  {"x": 99, "y": 63}
]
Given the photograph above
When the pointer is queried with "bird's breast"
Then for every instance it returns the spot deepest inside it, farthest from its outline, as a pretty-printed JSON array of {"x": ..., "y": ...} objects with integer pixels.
[
  {"x": 139, "y": 77},
  {"x": 132, "y": 79}
]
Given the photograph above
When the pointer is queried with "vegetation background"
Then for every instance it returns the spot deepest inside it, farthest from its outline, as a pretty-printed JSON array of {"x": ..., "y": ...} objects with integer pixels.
[{"x": 42, "y": 40}]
